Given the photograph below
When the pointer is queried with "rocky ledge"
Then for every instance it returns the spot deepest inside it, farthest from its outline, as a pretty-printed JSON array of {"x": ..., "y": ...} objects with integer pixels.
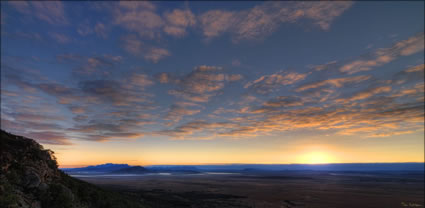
[{"x": 30, "y": 178}]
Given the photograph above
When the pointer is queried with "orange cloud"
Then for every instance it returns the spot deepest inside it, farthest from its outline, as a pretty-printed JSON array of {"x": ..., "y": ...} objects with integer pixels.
[
  {"x": 268, "y": 83},
  {"x": 263, "y": 19},
  {"x": 338, "y": 82},
  {"x": 385, "y": 55}
]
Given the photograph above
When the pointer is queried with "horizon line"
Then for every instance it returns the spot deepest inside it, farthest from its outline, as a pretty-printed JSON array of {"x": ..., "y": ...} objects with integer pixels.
[{"x": 75, "y": 166}]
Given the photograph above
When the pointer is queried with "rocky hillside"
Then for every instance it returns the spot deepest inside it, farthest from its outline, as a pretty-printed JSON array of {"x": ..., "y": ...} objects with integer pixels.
[{"x": 29, "y": 177}]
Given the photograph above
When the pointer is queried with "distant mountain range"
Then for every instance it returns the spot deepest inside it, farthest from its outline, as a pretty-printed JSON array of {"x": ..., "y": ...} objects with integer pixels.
[
  {"x": 110, "y": 168},
  {"x": 104, "y": 168}
]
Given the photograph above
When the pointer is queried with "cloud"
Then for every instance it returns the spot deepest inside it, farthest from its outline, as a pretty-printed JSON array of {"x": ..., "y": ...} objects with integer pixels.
[
  {"x": 366, "y": 94},
  {"x": 254, "y": 23},
  {"x": 99, "y": 29},
  {"x": 132, "y": 44},
  {"x": 197, "y": 130},
  {"x": 60, "y": 38},
  {"x": 77, "y": 109},
  {"x": 121, "y": 107},
  {"x": 141, "y": 80},
  {"x": 265, "y": 18},
  {"x": 163, "y": 78},
  {"x": 49, "y": 137},
  {"x": 89, "y": 65},
  {"x": 385, "y": 55},
  {"x": 156, "y": 54},
  {"x": 410, "y": 75},
  {"x": 202, "y": 83},
  {"x": 177, "y": 112},
  {"x": 377, "y": 110},
  {"x": 105, "y": 130},
  {"x": 216, "y": 22},
  {"x": 38, "y": 120},
  {"x": 49, "y": 11},
  {"x": 337, "y": 82},
  {"x": 277, "y": 104},
  {"x": 136, "y": 47},
  {"x": 177, "y": 22},
  {"x": 142, "y": 18},
  {"x": 325, "y": 66},
  {"x": 115, "y": 92},
  {"x": 418, "y": 68},
  {"x": 139, "y": 17},
  {"x": 64, "y": 94},
  {"x": 284, "y": 101},
  {"x": 269, "y": 83}
]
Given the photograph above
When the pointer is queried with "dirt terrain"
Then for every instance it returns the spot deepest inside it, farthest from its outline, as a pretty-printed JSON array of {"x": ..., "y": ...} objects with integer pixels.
[{"x": 274, "y": 189}]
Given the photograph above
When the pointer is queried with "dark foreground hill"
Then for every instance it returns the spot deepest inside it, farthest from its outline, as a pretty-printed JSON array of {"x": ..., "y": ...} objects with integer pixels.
[{"x": 29, "y": 177}]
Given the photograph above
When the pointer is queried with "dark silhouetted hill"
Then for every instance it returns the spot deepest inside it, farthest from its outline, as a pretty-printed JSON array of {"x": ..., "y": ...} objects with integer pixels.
[{"x": 29, "y": 177}]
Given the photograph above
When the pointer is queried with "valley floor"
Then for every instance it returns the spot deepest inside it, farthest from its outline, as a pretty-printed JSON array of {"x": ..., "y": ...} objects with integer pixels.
[{"x": 316, "y": 189}]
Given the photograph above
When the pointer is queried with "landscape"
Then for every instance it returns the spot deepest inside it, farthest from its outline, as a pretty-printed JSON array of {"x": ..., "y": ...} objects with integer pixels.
[
  {"x": 212, "y": 104},
  {"x": 360, "y": 185}
]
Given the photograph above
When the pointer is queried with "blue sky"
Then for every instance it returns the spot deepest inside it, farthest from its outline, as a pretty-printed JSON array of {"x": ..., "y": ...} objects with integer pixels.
[{"x": 215, "y": 77}]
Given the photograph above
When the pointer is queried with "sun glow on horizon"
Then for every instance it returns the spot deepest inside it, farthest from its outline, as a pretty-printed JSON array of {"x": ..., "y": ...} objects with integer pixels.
[{"x": 316, "y": 157}]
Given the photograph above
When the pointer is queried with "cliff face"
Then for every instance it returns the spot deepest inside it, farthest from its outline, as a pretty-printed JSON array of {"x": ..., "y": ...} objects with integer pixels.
[{"x": 29, "y": 177}]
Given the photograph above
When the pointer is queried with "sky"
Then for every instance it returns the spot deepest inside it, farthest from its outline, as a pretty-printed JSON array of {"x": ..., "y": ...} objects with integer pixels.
[{"x": 197, "y": 82}]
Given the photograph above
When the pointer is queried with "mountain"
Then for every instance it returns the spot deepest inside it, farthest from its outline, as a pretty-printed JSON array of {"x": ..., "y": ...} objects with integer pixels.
[
  {"x": 131, "y": 170},
  {"x": 110, "y": 168},
  {"x": 104, "y": 168},
  {"x": 29, "y": 177}
]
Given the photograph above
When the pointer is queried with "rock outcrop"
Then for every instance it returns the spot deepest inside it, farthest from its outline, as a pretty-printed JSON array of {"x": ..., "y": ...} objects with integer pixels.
[{"x": 30, "y": 178}]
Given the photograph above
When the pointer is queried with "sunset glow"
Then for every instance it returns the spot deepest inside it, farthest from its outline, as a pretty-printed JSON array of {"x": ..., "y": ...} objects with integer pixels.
[{"x": 316, "y": 158}]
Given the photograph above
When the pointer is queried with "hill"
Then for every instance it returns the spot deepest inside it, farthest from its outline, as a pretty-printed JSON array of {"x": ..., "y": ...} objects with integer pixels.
[
  {"x": 104, "y": 168},
  {"x": 29, "y": 177}
]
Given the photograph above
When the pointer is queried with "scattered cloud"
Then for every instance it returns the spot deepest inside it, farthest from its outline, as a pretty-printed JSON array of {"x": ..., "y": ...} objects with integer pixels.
[
  {"x": 100, "y": 29},
  {"x": 197, "y": 130},
  {"x": 265, "y": 18},
  {"x": 269, "y": 83},
  {"x": 385, "y": 55},
  {"x": 202, "y": 83},
  {"x": 60, "y": 38},
  {"x": 254, "y": 23},
  {"x": 366, "y": 94},
  {"x": 49, "y": 11},
  {"x": 138, "y": 16},
  {"x": 110, "y": 97},
  {"x": 337, "y": 82},
  {"x": 177, "y": 22},
  {"x": 176, "y": 113},
  {"x": 156, "y": 54},
  {"x": 136, "y": 47},
  {"x": 49, "y": 137}
]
